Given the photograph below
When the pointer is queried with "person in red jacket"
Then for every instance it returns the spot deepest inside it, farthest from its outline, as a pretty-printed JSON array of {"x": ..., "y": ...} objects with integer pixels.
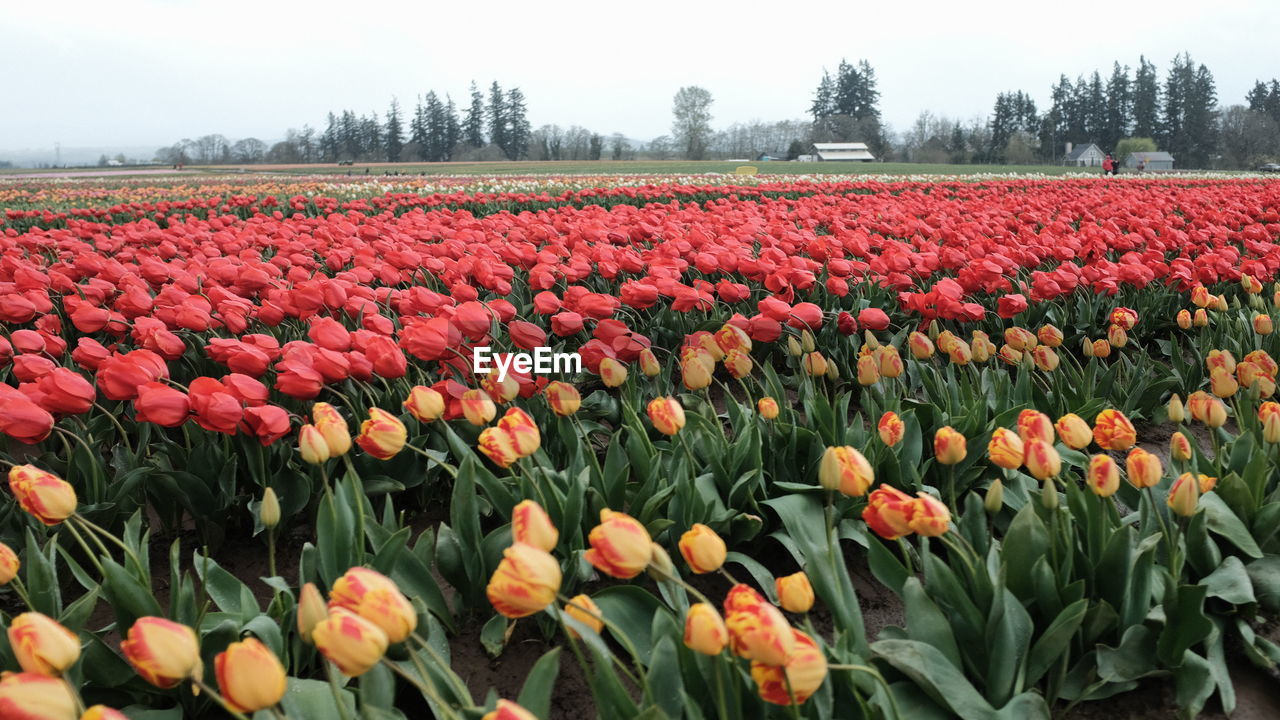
[{"x": 1107, "y": 164}]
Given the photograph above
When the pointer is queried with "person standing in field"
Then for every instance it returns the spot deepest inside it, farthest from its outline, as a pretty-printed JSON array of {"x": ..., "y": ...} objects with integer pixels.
[{"x": 1107, "y": 164}]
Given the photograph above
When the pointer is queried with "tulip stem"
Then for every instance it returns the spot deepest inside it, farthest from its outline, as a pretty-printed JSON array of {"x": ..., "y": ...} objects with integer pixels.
[
  {"x": 277, "y": 714},
  {"x": 101, "y": 531},
  {"x": 793, "y": 708},
  {"x": 458, "y": 686},
  {"x": 874, "y": 673},
  {"x": 621, "y": 636},
  {"x": 93, "y": 558},
  {"x": 721, "y": 705},
  {"x": 271, "y": 553},
  {"x": 591, "y": 451},
  {"x": 204, "y": 687},
  {"x": 336, "y": 691},
  {"x": 728, "y": 576},
  {"x": 124, "y": 436},
  {"x": 21, "y": 589}
]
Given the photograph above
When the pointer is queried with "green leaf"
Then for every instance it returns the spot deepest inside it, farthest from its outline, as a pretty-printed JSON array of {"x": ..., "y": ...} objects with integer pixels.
[
  {"x": 378, "y": 689},
  {"x": 666, "y": 689},
  {"x": 1224, "y": 522},
  {"x": 1009, "y": 631},
  {"x": 1230, "y": 582},
  {"x": 1265, "y": 577},
  {"x": 535, "y": 694},
  {"x": 886, "y": 566},
  {"x": 42, "y": 579},
  {"x": 936, "y": 675},
  {"x": 1193, "y": 679},
  {"x": 631, "y": 609},
  {"x": 927, "y": 624},
  {"x": 228, "y": 593},
  {"x": 758, "y": 572},
  {"x": 313, "y": 700},
  {"x": 1185, "y": 623},
  {"x": 129, "y": 598},
  {"x": 494, "y": 635},
  {"x": 1054, "y": 641},
  {"x": 1026, "y": 541}
]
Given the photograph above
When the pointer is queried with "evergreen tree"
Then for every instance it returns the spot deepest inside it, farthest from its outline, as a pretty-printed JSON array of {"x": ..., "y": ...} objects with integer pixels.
[
  {"x": 437, "y": 130},
  {"x": 957, "y": 147},
  {"x": 1177, "y": 85},
  {"x": 1119, "y": 108},
  {"x": 1265, "y": 98},
  {"x": 1146, "y": 100},
  {"x": 1200, "y": 119},
  {"x": 329, "y": 140},
  {"x": 1095, "y": 109},
  {"x": 418, "y": 130},
  {"x": 1077, "y": 116},
  {"x": 473, "y": 123},
  {"x": 453, "y": 129},
  {"x": 393, "y": 139},
  {"x": 371, "y": 145},
  {"x": 824, "y": 105},
  {"x": 518, "y": 130},
  {"x": 497, "y": 117},
  {"x": 348, "y": 136}
]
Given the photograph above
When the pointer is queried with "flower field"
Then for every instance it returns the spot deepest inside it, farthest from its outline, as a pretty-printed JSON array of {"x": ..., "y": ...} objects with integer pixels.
[{"x": 253, "y": 473}]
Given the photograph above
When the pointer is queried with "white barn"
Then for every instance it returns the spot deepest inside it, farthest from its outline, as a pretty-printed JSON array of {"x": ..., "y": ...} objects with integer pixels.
[
  {"x": 856, "y": 152},
  {"x": 1084, "y": 156}
]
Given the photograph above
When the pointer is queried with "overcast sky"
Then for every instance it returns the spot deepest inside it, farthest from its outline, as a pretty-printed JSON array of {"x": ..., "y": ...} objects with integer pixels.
[{"x": 149, "y": 72}]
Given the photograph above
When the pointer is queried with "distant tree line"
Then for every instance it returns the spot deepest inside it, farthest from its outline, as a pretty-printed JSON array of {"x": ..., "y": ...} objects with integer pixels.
[
  {"x": 1129, "y": 109},
  {"x": 492, "y": 128}
]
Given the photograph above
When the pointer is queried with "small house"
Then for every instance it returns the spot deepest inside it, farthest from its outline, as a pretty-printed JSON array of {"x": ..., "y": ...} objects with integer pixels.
[
  {"x": 1084, "y": 156},
  {"x": 1149, "y": 161},
  {"x": 828, "y": 152}
]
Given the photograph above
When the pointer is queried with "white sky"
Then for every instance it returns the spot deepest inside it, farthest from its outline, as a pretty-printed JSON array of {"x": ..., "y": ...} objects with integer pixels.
[{"x": 149, "y": 72}]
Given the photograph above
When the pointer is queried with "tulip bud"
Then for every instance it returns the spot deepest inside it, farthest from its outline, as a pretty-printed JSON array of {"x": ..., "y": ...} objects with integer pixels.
[
  {"x": 269, "y": 510},
  {"x": 666, "y": 414},
  {"x": 833, "y": 370},
  {"x": 889, "y": 362},
  {"x": 525, "y": 582},
  {"x": 620, "y": 545},
  {"x": 425, "y": 404},
  {"x": 1117, "y": 336},
  {"x": 1101, "y": 349},
  {"x": 1103, "y": 476},
  {"x": 9, "y": 564},
  {"x": 845, "y": 469},
  {"x": 927, "y": 516},
  {"x": 806, "y": 341},
  {"x": 500, "y": 391},
  {"x": 383, "y": 435},
  {"x": 994, "y": 500},
  {"x": 1087, "y": 348},
  {"x": 507, "y": 710},
  {"x": 793, "y": 346},
  {"x": 660, "y": 566},
  {"x": 815, "y": 364},
  {"x": 1074, "y": 432},
  {"x": 478, "y": 407},
  {"x": 649, "y": 363},
  {"x": 1144, "y": 468},
  {"x": 163, "y": 652},
  {"x": 1222, "y": 383},
  {"x": 42, "y": 645},
  {"x": 1179, "y": 447},
  {"x": 1005, "y": 449},
  {"x": 767, "y": 407},
  {"x": 702, "y": 549},
  {"x": 1271, "y": 429},
  {"x": 1034, "y": 425},
  {"x": 920, "y": 345},
  {"x": 891, "y": 428},
  {"x": 1113, "y": 431},
  {"x": 870, "y": 340},
  {"x": 868, "y": 370},
  {"x": 564, "y": 399},
  {"x": 1049, "y": 494},
  {"x": 376, "y": 598},
  {"x": 583, "y": 609},
  {"x": 949, "y": 446},
  {"x": 45, "y": 496},
  {"x": 1043, "y": 460},
  {"x": 349, "y": 641},
  {"x": 1184, "y": 319},
  {"x": 1184, "y": 496},
  {"x": 312, "y": 445},
  {"x": 33, "y": 696},
  {"x": 333, "y": 427},
  {"x": 250, "y": 676},
  {"x": 1045, "y": 359},
  {"x": 1049, "y": 336},
  {"x": 757, "y": 630},
  {"x": 795, "y": 593},
  {"x": 704, "y": 630},
  {"x": 531, "y": 525},
  {"x": 1200, "y": 318},
  {"x": 1262, "y": 324},
  {"x": 612, "y": 373},
  {"x": 1177, "y": 413},
  {"x": 311, "y": 610},
  {"x": 738, "y": 364}
]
